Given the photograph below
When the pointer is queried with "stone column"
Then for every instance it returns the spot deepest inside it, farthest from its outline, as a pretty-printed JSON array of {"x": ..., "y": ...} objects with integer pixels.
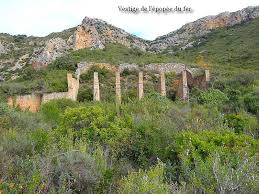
[
  {"x": 140, "y": 85},
  {"x": 118, "y": 87},
  {"x": 96, "y": 87},
  {"x": 162, "y": 83},
  {"x": 185, "y": 85},
  {"x": 73, "y": 87},
  {"x": 207, "y": 75}
]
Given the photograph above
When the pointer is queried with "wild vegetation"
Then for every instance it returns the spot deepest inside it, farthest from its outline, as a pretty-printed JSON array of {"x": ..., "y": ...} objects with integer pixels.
[{"x": 157, "y": 145}]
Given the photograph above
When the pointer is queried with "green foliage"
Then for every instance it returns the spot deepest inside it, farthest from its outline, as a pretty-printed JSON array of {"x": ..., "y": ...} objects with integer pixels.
[
  {"x": 236, "y": 45},
  {"x": 113, "y": 54},
  {"x": 207, "y": 172},
  {"x": 242, "y": 122},
  {"x": 151, "y": 181},
  {"x": 36, "y": 81},
  {"x": 40, "y": 140},
  {"x": 207, "y": 142},
  {"x": 71, "y": 147},
  {"x": 95, "y": 124},
  {"x": 251, "y": 102},
  {"x": 213, "y": 97},
  {"x": 53, "y": 110},
  {"x": 76, "y": 172}
]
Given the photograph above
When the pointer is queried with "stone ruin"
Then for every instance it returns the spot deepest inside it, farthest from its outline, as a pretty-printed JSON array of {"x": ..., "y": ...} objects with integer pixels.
[
  {"x": 32, "y": 102},
  {"x": 189, "y": 78}
]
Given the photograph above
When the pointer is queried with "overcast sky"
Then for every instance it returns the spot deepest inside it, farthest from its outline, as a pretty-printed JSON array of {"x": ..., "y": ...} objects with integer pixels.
[{"x": 41, "y": 17}]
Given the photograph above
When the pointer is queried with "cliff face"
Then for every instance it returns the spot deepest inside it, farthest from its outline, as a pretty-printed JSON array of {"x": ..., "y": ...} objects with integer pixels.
[
  {"x": 95, "y": 33},
  {"x": 190, "y": 33}
]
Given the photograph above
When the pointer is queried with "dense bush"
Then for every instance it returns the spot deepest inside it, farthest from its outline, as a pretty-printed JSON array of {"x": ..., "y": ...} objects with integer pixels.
[
  {"x": 94, "y": 124},
  {"x": 53, "y": 110},
  {"x": 92, "y": 146},
  {"x": 213, "y": 97},
  {"x": 213, "y": 162},
  {"x": 151, "y": 181},
  {"x": 242, "y": 122}
]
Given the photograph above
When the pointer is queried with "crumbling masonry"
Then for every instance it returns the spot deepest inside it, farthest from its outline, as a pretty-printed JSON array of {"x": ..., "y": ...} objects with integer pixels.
[
  {"x": 32, "y": 102},
  {"x": 188, "y": 78}
]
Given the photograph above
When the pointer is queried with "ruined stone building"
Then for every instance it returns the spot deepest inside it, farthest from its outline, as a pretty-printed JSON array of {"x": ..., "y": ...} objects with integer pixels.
[
  {"x": 188, "y": 78},
  {"x": 32, "y": 102}
]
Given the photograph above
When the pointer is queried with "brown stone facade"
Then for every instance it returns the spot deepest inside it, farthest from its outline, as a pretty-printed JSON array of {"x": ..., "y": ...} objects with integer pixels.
[
  {"x": 29, "y": 102},
  {"x": 190, "y": 80}
]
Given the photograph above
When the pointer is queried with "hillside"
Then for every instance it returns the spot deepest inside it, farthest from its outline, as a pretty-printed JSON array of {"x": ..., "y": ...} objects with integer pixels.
[
  {"x": 190, "y": 33},
  {"x": 19, "y": 51},
  {"x": 237, "y": 45}
]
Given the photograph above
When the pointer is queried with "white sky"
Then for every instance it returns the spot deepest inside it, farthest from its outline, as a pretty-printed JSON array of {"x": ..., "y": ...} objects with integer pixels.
[{"x": 41, "y": 17}]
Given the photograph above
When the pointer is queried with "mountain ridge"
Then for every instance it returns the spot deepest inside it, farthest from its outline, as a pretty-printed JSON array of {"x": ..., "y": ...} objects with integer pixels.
[{"x": 18, "y": 50}]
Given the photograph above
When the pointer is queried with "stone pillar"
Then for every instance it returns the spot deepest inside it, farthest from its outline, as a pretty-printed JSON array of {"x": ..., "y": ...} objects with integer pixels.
[
  {"x": 207, "y": 75},
  {"x": 140, "y": 85},
  {"x": 73, "y": 87},
  {"x": 118, "y": 87},
  {"x": 185, "y": 85},
  {"x": 162, "y": 83},
  {"x": 10, "y": 101},
  {"x": 96, "y": 87}
]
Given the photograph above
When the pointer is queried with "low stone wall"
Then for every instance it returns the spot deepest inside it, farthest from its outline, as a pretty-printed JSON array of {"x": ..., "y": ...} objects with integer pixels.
[
  {"x": 155, "y": 67},
  {"x": 53, "y": 96},
  {"x": 30, "y": 102}
]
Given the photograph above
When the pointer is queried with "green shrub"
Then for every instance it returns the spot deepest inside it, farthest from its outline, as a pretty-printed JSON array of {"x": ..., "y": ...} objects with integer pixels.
[
  {"x": 53, "y": 110},
  {"x": 199, "y": 167},
  {"x": 213, "y": 97},
  {"x": 251, "y": 102},
  {"x": 205, "y": 143},
  {"x": 76, "y": 172},
  {"x": 151, "y": 181},
  {"x": 94, "y": 123},
  {"x": 40, "y": 140},
  {"x": 242, "y": 122}
]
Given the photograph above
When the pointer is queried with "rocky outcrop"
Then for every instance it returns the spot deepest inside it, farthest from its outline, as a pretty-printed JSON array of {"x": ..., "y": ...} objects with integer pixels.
[
  {"x": 96, "y": 33},
  {"x": 3, "y": 50},
  {"x": 86, "y": 37},
  {"x": 183, "y": 38},
  {"x": 92, "y": 33},
  {"x": 43, "y": 56}
]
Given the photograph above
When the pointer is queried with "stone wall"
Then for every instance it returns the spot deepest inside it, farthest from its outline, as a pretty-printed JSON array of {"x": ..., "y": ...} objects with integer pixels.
[
  {"x": 194, "y": 79},
  {"x": 190, "y": 78},
  {"x": 160, "y": 67},
  {"x": 53, "y": 96},
  {"x": 30, "y": 102}
]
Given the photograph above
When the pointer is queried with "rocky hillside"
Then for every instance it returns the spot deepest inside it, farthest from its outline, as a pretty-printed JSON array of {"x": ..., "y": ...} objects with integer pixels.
[
  {"x": 192, "y": 33},
  {"x": 20, "y": 50},
  {"x": 16, "y": 51},
  {"x": 234, "y": 46}
]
